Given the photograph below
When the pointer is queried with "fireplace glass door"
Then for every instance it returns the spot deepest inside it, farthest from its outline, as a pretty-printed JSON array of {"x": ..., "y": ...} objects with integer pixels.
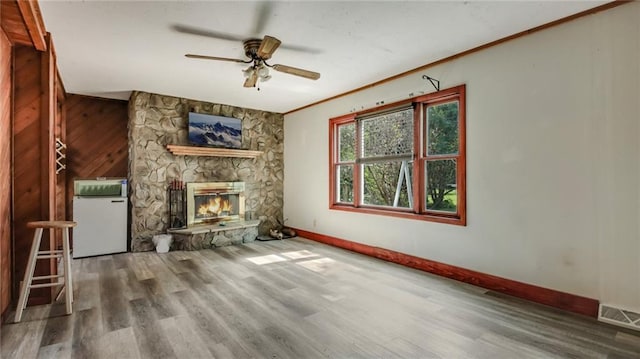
[
  {"x": 211, "y": 202},
  {"x": 211, "y": 207}
]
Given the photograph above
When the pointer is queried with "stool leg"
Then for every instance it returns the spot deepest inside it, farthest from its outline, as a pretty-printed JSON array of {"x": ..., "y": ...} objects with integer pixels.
[
  {"x": 25, "y": 288},
  {"x": 66, "y": 257}
]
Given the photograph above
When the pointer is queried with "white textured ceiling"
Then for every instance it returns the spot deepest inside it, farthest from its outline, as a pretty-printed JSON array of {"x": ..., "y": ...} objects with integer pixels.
[{"x": 109, "y": 48}]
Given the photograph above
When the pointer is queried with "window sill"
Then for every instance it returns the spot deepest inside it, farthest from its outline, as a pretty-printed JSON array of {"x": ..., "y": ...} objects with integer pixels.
[{"x": 408, "y": 215}]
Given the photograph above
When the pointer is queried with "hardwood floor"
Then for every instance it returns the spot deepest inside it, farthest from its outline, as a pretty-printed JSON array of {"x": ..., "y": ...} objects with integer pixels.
[{"x": 294, "y": 299}]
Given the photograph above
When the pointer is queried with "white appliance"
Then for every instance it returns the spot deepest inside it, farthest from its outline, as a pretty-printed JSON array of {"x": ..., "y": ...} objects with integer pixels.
[{"x": 100, "y": 209}]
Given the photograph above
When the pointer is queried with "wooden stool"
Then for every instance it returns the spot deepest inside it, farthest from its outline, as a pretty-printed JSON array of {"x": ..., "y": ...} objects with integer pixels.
[{"x": 36, "y": 253}]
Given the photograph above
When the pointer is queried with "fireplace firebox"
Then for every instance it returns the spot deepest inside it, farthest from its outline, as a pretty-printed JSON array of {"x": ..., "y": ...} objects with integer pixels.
[{"x": 212, "y": 202}]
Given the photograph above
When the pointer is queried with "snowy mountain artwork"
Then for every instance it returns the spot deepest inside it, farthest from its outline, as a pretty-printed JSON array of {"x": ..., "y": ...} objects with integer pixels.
[{"x": 215, "y": 131}]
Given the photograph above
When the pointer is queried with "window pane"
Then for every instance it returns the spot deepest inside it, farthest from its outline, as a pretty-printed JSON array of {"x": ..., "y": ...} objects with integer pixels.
[
  {"x": 344, "y": 190},
  {"x": 388, "y": 134},
  {"x": 347, "y": 142},
  {"x": 441, "y": 194},
  {"x": 442, "y": 127},
  {"x": 387, "y": 184}
]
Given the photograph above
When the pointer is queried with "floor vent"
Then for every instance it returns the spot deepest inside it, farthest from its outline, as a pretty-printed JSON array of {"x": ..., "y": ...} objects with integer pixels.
[{"x": 618, "y": 316}]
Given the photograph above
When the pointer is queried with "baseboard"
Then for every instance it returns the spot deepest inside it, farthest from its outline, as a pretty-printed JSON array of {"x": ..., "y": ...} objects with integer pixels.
[{"x": 546, "y": 296}]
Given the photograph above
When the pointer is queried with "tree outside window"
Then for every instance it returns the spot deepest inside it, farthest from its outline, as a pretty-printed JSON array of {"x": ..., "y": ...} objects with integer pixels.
[{"x": 442, "y": 149}]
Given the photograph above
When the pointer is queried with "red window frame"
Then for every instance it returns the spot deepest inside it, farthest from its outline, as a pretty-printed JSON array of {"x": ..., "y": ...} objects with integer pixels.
[{"x": 420, "y": 158}]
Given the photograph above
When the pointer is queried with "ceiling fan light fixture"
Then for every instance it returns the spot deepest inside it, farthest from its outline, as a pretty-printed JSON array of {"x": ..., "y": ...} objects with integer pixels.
[
  {"x": 248, "y": 72},
  {"x": 263, "y": 71}
]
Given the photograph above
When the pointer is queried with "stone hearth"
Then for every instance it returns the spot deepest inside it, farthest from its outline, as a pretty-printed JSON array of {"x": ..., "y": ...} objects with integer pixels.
[{"x": 212, "y": 236}]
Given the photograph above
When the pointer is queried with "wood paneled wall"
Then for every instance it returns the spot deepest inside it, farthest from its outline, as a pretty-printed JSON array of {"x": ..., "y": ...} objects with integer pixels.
[
  {"x": 5, "y": 172},
  {"x": 97, "y": 140},
  {"x": 34, "y": 185},
  {"x": 29, "y": 94}
]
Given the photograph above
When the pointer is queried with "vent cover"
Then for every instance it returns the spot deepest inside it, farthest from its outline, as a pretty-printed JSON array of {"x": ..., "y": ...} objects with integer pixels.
[{"x": 618, "y": 316}]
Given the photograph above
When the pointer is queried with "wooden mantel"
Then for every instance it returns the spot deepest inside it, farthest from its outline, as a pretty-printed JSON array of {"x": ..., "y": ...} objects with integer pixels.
[{"x": 210, "y": 151}]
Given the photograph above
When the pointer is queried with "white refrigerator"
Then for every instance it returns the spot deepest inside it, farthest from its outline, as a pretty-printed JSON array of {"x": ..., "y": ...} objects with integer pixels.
[{"x": 101, "y": 219}]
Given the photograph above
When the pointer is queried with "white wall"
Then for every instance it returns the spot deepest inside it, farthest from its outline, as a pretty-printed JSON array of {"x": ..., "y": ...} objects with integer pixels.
[{"x": 553, "y": 162}]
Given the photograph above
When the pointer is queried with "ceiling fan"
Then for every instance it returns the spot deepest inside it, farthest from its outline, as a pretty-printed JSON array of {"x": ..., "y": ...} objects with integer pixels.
[{"x": 258, "y": 52}]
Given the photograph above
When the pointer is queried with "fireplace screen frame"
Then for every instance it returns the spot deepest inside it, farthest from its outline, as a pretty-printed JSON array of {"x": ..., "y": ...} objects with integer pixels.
[{"x": 218, "y": 188}]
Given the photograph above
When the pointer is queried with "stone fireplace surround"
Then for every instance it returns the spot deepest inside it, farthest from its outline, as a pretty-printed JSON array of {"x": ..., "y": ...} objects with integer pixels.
[
  {"x": 157, "y": 120},
  {"x": 228, "y": 229}
]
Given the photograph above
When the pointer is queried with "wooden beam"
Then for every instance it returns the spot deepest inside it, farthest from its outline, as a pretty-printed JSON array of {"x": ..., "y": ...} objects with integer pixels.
[
  {"x": 47, "y": 153},
  {"x": 13, "y": 24},
  {"x": 6, "y": 232},
  {"x": 47, "y": 156},
  {"x": 61, "y": 92},
  {"x": 35, "y": 25}
]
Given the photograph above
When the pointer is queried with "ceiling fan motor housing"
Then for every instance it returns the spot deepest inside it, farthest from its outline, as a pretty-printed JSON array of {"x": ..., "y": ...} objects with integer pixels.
[{"x": 251, "y": 47}]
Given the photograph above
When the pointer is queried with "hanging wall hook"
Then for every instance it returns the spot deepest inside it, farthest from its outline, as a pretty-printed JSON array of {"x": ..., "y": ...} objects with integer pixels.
[{"x": 435, "y": 83}]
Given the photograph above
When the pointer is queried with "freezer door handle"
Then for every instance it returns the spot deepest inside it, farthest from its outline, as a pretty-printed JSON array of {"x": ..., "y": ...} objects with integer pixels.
[{"x": 118, "y": 201}]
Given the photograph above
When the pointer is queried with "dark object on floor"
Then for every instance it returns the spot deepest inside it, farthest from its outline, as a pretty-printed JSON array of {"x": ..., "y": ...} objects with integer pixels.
[
  {"x": 266, "y": 238},
  {"x": 288, "y": 232},
  {"x": 269, "y": 238}
]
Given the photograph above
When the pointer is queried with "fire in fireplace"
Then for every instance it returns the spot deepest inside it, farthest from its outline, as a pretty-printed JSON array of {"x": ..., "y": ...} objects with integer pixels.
[
  {"x": 216, "y": 206},
  {"x": 211, "y": 202}
]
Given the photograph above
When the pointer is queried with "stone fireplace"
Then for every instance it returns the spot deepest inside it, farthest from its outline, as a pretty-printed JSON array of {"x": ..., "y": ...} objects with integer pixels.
[
  {"x": 212, "y": 202},
  {"x": 156, "y": 121}
]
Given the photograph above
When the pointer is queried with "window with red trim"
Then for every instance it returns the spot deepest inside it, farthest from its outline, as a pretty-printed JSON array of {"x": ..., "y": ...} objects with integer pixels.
[{"x": 405, "y": 159}]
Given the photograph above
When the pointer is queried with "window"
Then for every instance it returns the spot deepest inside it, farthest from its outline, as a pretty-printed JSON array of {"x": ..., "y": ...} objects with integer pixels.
[
  {"x": 346, "y": 162},
  {"x": 405, "y": 159}
]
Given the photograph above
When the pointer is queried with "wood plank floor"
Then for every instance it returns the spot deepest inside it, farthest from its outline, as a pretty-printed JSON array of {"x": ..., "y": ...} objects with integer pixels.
[{"x": 294, "y": 299}]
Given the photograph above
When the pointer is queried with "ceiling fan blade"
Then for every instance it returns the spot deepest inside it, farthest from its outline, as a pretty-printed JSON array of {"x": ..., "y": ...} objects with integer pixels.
[
  {"x": 251, "y": 80},
  {"x": 267, "y": 47},
  {"x": 192, "y": 56},
  {"x": 193, "y": 30},
  {"x": 262, "y": 16},
  {"x": 297, "y": 72}
]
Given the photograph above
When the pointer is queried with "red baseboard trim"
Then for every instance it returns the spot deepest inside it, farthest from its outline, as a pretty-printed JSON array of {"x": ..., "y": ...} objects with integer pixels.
[{"x": 546, "y": 296}]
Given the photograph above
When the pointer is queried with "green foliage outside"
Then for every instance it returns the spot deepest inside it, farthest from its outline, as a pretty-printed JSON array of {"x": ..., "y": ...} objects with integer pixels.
[
  {"x": 380, "y": 181},
  {"x": 347, "y": 139},
  {"x": 392, "y": 135},
  {"x": 347, "y": 147},
  {"x": 345, "y": 189},
  {"x": 442, "y": 123},
  {"x": 386, "y": 135},
  {"x": 441, "y": 185},
  {"x": 442, "y": 132}
]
